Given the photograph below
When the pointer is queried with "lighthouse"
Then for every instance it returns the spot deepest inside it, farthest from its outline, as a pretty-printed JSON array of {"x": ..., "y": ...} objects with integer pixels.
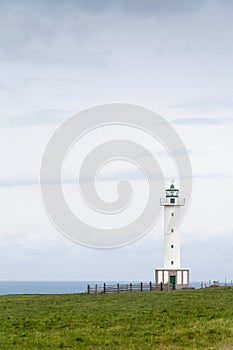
[{"x": 172, "y": 275}]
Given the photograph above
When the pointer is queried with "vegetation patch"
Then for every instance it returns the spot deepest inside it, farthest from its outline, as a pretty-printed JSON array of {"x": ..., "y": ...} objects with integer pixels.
[{"x": 190, "y": 319}]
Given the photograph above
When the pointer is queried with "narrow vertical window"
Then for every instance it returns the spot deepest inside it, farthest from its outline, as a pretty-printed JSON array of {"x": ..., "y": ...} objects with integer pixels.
[
  {"x": 172, "y": 262},
  {"x": 172, "y": 214},
  {"x": 172, "y": 246},
  {"x": 172, "y": 230}
]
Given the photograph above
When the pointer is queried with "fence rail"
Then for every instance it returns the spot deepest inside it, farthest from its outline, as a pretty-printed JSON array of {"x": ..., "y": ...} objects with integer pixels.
[
  {"x": 127, "y": 287},
  {"x": 145, "y": 286}
]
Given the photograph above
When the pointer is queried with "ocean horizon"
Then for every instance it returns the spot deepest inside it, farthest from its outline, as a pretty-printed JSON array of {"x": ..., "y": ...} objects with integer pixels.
[{"x": 58, "y": 287}]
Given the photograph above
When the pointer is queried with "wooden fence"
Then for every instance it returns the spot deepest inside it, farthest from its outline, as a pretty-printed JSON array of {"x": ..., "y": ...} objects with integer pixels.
[
  {"x": 143, "y": 287},
  {"x": 127, "y": 287}
]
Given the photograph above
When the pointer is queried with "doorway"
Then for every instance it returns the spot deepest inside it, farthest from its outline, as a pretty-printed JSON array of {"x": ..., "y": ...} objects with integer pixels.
[{"x": 173, "y": 280}]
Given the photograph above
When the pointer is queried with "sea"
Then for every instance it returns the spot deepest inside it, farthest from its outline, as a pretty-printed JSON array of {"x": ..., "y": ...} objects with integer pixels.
[{"x": 59, "y": 287}]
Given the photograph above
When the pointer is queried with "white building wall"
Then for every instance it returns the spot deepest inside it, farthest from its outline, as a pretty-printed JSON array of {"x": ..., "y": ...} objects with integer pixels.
[
  {"x": 160, "y": 277},
  {"x": 171, "y": 237},
  {"x": 172, "y": 265},
  {"x": 179, "y": 277},
  {"x": 165, "y": 280}
]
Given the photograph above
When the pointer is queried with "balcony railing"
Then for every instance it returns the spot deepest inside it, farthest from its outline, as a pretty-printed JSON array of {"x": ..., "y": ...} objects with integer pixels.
[{"x": 167, "y": 201}]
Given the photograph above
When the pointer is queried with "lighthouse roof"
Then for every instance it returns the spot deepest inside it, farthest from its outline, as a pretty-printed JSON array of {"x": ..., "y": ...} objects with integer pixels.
[
  {"x": 172, "y": 191},
  {"x": 172, "y": 188}
]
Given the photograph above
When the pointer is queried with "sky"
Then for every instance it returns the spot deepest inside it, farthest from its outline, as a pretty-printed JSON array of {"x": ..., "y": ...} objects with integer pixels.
[{"x": 58, "y": 58}]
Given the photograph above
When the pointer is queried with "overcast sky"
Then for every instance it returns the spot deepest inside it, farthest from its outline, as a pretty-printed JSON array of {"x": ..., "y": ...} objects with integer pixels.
[{"x": 58, "y": 58}]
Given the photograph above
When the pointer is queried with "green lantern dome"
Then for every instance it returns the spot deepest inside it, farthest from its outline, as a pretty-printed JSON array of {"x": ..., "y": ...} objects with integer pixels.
[{"x": 172, "y": 191}]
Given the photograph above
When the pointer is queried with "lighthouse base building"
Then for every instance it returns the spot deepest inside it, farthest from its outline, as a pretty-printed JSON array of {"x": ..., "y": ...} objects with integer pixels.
[
  {"x": 177, "y": 278},
  {"x": 172, "y": 275}
]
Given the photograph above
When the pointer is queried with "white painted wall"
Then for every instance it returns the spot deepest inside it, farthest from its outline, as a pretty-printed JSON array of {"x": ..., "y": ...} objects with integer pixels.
[{"x": 172, "y": 214}]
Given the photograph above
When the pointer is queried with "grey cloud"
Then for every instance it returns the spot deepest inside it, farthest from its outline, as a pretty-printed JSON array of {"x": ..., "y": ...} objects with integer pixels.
[
  {"x": 212, "y": 176},
  {"x": 203, "y": 121},
  {"x": 58, "y": 31},
  {"x": 138, "y": 7},
  {"x": 46, "y": 32},
  {"x": 212, "y": 251},
  {"x": 130, "y": 175},
  {"x": 206, "y": 104},
  {"x": 38, "y": 117},
  {"x": 16, "y": 182}
]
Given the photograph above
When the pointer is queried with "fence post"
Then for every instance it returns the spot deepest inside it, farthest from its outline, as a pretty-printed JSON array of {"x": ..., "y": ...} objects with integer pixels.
[
  {"x": 141, "y": 287},
  {"x": 104, "y": 288},
  {"x": 150, "y": 286},
  {"x": 88, "y": 289},
  {"x": 130, "y": 287},
  {"x": 96, "y": 289},
  {"x": 118, "y": 288}
]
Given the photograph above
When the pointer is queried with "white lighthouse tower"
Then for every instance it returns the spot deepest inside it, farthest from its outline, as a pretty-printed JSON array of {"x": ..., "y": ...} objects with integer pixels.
[{"x": 172, "y": 275}]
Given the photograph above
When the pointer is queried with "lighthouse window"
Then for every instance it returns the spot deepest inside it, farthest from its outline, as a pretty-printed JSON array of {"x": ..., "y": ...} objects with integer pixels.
[
  {"x": 172, "y": 246},
  {"x": 172, "y": 214},
  {"x": 172, "y": 230},
  {"x": 172, "y": 262},
  {"x": 172, "y": 200}
]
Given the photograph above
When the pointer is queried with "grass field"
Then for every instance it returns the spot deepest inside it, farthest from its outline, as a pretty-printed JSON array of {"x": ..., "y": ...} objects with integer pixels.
[{"x": 192, "y": 319}]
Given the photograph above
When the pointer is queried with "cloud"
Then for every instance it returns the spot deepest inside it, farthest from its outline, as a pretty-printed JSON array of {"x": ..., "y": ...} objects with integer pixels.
[
  {"x": 136, "y": 7},
  {"x": 142, "y": 8},
  {"x": 212, "y": 176},
  {"x": 18, "y": 182},
  {"x": 37, "y": 117},
  {"x": 203, "y": 121},
  {"x": 217, "y": 105},
  {"x": 214, "y": 253},
  {"x": 59, "y": 57},
  {"x": 47, "y": 32},
  {"x": 58, "y": 31}
]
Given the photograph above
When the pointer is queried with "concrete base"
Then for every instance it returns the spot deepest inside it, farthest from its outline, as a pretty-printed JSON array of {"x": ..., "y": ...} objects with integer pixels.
[{"x": 178, "y": 278}]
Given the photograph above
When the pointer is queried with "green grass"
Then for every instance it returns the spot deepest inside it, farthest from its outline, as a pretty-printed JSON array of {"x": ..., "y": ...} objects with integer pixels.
[{"x": 192, "y": 319}]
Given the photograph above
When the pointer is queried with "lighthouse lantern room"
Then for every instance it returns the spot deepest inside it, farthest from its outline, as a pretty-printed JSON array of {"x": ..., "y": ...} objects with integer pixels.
[{"x": 172, "y": 275}]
